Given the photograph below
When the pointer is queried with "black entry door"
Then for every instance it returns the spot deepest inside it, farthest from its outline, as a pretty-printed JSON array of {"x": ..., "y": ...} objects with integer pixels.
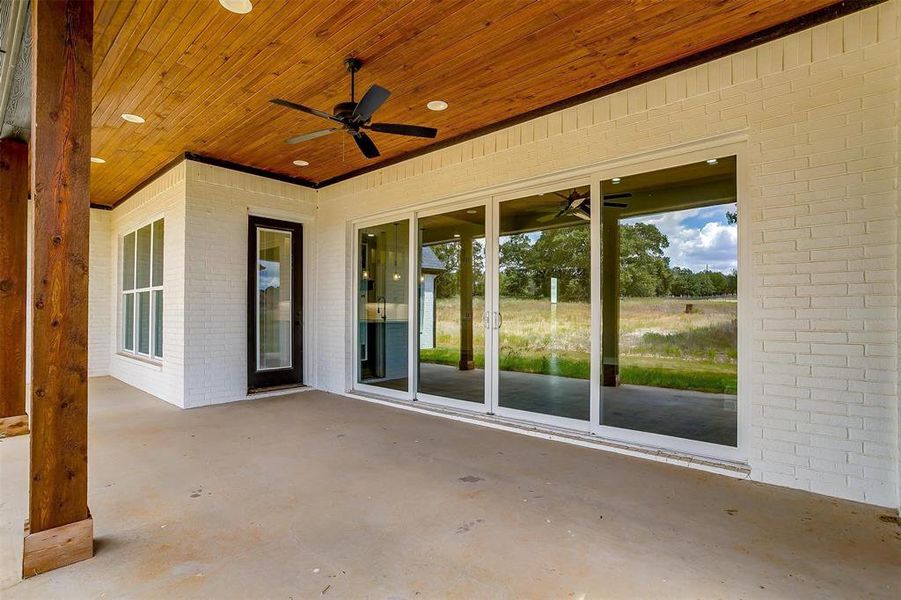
[{"x": 274, "y": 303}]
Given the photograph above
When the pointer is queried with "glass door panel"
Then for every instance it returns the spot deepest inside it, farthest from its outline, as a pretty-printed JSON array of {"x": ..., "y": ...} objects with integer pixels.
[
  {"x": 383, "y": 305},
  {"x": 543, "y": 315},
  {"x": 451, "y": 305},
  {"x": 669, "y": 302},
  {"x": 274, "y": 302}
]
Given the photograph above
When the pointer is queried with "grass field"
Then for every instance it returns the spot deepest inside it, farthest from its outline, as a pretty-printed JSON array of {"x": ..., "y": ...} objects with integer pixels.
[{"x": 660, "y": 344}]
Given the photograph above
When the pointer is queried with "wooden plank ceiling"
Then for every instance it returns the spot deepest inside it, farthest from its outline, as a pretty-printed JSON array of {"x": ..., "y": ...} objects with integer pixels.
[{"x": 202, "y": 76}]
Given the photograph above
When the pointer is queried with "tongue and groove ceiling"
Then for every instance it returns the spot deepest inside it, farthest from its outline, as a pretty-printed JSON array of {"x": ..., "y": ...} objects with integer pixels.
[{"x": 202, "y": 76}]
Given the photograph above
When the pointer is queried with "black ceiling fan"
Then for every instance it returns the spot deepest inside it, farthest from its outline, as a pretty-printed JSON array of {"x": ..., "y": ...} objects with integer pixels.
[
  {"x": 353, "y": 116},
  {"x": 578, "y": 205}
]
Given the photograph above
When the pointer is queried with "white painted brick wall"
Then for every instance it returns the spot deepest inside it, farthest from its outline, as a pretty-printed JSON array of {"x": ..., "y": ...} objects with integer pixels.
[
  {"x": 100, "y": 323},
  {"x": 219, "y": 202},
  {"x": 163, "y": 198},
  {"x": 819, "y": 110}
]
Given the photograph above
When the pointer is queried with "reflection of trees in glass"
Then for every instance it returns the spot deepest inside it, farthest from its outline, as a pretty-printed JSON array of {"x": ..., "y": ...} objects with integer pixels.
[
  {"x": 447, "y": 283},
  {"x": 528, "y": 261}
]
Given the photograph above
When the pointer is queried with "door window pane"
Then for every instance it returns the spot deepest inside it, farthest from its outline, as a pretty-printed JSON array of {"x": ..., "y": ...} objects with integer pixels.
[
  {"x": 158, "y": 323},
  {"x": 544, "y": 338},
  {"x": 452, "y": 304},
  {"x": 128, "y": 329},
  {"x": 274, "y": 303},
  {"x": 128, "y": 262},
  {"x": 669, "y": 311},
  {"x": 144, "y": 322},
  {"x": 383, "y": 305},
  {"x": 158, "y": 229}
]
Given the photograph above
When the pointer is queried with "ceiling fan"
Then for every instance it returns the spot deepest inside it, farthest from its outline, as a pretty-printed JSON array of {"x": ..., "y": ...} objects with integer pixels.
[
  {"x": 578, "y": 205},
  {"x": 353, "y": 117}
]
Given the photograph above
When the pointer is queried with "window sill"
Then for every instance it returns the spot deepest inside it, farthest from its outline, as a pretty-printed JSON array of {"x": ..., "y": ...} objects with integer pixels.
[{"x": 156, "y": 364}]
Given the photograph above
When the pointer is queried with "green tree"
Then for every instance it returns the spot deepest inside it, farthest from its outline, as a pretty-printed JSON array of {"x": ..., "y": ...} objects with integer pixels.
[{"x": 644, "y": 270}]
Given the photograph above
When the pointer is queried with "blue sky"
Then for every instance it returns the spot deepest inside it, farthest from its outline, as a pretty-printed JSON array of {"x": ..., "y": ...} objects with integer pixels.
[{"x": 698, "y": 237}]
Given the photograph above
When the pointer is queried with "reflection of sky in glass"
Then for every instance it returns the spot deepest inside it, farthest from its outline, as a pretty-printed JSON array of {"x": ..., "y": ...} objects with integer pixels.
[
  {"x": 699, "y": 238},
  {"x": 269, "y": 274}
]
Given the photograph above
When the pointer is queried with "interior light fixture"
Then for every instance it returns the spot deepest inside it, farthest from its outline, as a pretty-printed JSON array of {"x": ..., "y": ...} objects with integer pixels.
[
  {"x": 97, "y": 160},
  {"x": 396, "y": 275},
  {"x": 132, "y": 118},
  {"x": 711, "y": 161},
  {"x": 241, "y": 7},
  {"x": 370, "y": 235},
  {"x": 438, "y": 105},
  {"x": 471, "y": 211},
  {"x": 301, "y": 163},
  {"x": 456, "y": 235},
  {"x": 616, "y": 180}
]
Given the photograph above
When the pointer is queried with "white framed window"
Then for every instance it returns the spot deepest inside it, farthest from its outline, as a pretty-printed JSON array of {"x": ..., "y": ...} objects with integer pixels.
[{"x": 141, "y": 327}]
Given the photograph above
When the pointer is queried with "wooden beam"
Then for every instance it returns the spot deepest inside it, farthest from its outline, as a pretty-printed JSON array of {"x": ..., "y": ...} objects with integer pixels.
[
  {"x": 62, "y": 33},
  {"x": 13, "y": 273}
]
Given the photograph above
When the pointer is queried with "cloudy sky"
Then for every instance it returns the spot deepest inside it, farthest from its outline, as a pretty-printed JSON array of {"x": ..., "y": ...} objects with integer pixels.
[{"x": 698, "y": 237}]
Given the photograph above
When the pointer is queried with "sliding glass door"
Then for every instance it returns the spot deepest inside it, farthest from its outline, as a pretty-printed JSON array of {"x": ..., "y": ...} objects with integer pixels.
[
  {"x": 452, "y": 278},
  {"x": 605, "y": 305},
  {"x": 542, "y": 305},
  {"x": 383, "y": 307}
]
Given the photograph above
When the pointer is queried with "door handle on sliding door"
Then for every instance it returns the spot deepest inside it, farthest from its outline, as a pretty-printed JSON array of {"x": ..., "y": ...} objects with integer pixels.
[{"x": 498, "y": 320}]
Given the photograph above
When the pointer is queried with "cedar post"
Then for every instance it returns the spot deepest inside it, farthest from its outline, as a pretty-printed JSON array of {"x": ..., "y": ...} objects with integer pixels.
[
  {"x": 610, "y": 259},
  {"x": 467, "y": 357},
  {"x": 60, "y": 530},
  {"x": 13, "y": 251}
]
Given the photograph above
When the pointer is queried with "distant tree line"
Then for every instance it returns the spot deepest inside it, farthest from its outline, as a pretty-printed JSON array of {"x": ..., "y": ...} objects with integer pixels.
[{"x": 529, "y": 263}]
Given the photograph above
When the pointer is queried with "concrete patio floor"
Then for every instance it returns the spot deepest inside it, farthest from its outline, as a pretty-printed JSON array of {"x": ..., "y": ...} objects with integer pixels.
[{"x": 317, "y": 495}]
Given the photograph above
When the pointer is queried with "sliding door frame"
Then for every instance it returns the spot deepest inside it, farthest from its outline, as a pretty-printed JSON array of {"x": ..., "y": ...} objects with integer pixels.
[
  {"x": 497, "y": 319},
  {"x": 714, "y": 147},
  {"x": 664, "y": 159},
  {"x": 485, "y": 406},
  {"x": 412, "y": 291}
]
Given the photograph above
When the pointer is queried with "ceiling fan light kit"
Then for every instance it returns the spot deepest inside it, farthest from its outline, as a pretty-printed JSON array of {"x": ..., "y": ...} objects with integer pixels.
[{"x": 353, "y": 117}]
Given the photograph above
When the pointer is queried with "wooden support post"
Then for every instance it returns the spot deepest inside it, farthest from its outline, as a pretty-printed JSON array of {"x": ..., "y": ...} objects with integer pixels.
[
  {"x": 467, "y": 357},
  {"x": 610, "y": 261},
  {"x": 60, "y": 530},
  {"x": 13, "y": 273}
]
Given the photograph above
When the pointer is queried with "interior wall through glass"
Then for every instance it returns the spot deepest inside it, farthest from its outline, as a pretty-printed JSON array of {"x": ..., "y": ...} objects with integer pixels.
[{"x": 383, "y": 305}]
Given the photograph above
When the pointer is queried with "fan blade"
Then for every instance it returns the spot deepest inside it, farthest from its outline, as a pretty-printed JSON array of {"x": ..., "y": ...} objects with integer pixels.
[
  {"x": 374, "y": 97},
  {"x": 398, "y": 129},
  {"x": 306, "y": 109},
  {"x": 617, "y": 196},
  {"x": 616, "y": 204},
  {"x": 309, "y": 136},
  {"x": 365, "y": 144}
]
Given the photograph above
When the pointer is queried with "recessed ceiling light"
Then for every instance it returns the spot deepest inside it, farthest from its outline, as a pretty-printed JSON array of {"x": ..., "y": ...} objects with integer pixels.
[
  {"x": 242, "y": 7},
  {"x": 437, "y": 105},
  {"x": 616, "y": 180},
  {"x": 97, "y": 160},
  {"x": 712, "y": 161},
  {"x": 471, "y": 211},
  {"x": 456, "y": 235},
  {"x": 370, "y": 235},
  {"x": 132, "y": 118},
  {"x": 301, "y": 163}
]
